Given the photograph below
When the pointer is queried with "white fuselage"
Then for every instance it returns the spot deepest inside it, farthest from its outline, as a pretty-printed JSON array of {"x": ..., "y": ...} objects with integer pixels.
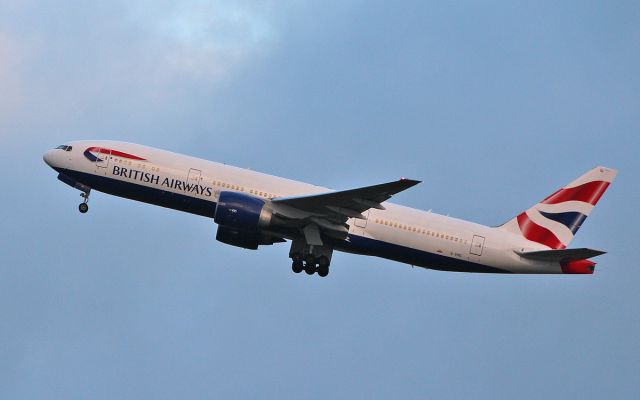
[{"x": 400, "y": 233}]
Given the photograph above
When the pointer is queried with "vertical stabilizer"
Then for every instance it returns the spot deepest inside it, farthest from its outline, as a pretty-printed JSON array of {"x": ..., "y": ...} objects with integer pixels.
[{"x": 555, "y": 220}]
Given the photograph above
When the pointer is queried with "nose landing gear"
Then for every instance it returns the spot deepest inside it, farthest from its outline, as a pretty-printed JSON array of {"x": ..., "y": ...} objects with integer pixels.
[{"x": 84, "y": 206}]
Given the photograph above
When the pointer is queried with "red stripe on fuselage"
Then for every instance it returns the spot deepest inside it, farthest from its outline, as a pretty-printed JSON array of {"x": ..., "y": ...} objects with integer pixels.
[
  {"x": 588, "y": 192},
  {"x": 537, "y": 233},
  {"x": 115, "y": 153}
]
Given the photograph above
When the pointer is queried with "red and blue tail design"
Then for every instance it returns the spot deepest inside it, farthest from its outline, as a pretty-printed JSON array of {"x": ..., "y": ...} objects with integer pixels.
[{"x": 555, "y": 220}]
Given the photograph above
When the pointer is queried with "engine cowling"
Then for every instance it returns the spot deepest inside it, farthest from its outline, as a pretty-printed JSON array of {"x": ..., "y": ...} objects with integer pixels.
[
  {"x": 241, "y": 212},
  {"x": 233, "y": 237}
]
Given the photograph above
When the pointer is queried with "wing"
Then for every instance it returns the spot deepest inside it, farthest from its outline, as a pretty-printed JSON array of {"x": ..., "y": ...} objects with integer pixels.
[
  {"x": 353, "y": 200},
  {"x": 328, "y": 212}
]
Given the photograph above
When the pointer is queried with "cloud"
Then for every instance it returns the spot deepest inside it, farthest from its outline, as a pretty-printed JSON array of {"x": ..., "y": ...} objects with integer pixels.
[
  {"x": 73, "y": 67},
  {"x": 207, "y": 39}
]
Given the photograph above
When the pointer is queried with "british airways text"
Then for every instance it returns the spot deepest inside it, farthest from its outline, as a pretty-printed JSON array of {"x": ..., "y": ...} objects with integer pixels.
[{"x": 148, "y": 177}]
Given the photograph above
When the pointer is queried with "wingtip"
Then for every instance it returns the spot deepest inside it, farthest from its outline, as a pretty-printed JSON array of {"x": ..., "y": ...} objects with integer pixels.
[{"x": 407, "y": 180}]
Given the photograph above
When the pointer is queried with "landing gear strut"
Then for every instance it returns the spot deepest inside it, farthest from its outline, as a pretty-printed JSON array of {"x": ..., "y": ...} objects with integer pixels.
[{"x": 84, "y": 206}]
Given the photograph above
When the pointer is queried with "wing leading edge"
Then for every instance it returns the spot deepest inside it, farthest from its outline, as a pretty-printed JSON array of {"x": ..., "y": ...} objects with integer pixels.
[
  {"x": 349, "y": 203},
  {"x": 328, "y": 212}
]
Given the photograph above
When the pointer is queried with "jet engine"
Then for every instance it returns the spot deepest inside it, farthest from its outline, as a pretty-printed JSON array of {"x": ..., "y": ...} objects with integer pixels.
[
  {"x": 240, "y": 218},
  {"x": 241, "y": 212}
]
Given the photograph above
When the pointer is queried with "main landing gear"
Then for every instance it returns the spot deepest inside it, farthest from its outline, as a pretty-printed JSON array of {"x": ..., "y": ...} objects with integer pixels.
[
  {"x": 84, "y": 206},
  {"x": 310, "y": 265},
  {"x": 309, "y": 258}
]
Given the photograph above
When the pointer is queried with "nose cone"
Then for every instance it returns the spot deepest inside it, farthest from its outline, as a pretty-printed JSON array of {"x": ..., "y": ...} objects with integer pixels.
[
  {"x": 48, "y": 158},
  {"x": 55, "y": 158}
]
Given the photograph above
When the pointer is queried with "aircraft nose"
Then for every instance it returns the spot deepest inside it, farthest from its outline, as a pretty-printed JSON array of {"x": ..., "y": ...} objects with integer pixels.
[
  {"x": 48, "y": 158},
  {"x": 53, "y": 158}
]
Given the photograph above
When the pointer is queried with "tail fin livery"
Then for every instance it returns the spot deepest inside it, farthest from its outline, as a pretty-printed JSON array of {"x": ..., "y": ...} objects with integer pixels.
[{"x": 555, "y": 220}]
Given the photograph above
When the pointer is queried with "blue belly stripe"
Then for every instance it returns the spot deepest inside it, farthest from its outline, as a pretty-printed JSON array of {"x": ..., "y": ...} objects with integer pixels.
[
  {"x": 408, "y": 255},
  {"x": 159, "y": 197}
]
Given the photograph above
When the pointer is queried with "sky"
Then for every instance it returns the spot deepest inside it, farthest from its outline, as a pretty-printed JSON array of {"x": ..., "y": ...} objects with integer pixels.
[{"x": 492, "y": 104}]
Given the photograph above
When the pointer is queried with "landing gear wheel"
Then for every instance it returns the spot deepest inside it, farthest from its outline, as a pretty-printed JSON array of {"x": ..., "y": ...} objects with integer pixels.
[
  {"x": 310, "y": 269},
  {"x": 297, "y": 266},
  {"x": 84, "y": 207},
  {"x": 323, "y": 266},
  {"x": 323, "y": 270},
  {"x": 309, "y": 264}
]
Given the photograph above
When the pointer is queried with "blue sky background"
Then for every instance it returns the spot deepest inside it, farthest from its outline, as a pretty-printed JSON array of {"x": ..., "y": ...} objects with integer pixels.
[{"x": 492, "y": 104}]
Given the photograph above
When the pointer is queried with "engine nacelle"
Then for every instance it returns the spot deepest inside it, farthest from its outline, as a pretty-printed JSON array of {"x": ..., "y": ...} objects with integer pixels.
[
  {"x": 246, "y": 240},
  {"x": 241, "y": 212}
]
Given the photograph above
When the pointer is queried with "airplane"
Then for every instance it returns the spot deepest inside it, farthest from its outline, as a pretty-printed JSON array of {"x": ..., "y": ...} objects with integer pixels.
[{"x": 253, "y": 209}]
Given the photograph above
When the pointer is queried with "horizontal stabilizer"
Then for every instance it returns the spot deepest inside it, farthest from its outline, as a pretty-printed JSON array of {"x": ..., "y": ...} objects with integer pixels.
[{"x": 561, "y": 255}]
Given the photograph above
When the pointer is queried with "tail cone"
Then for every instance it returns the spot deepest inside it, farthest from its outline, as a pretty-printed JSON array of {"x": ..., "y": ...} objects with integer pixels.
[{"x": 578, "y": 267}]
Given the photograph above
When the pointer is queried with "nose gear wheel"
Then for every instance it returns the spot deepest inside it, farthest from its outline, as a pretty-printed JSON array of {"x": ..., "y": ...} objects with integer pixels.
[{"x": 84, "y": 206}]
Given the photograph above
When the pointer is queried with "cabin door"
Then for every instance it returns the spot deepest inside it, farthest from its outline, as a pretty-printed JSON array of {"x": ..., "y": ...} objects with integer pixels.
[
  {"x": 194, "y": 178},
  {"x": 102, "y": 162},
  {"x": 477, "y": 245}
]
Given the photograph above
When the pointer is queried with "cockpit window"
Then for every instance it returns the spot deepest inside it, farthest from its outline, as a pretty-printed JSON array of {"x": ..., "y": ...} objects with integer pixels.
[{"x": 64, "y": 147}]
